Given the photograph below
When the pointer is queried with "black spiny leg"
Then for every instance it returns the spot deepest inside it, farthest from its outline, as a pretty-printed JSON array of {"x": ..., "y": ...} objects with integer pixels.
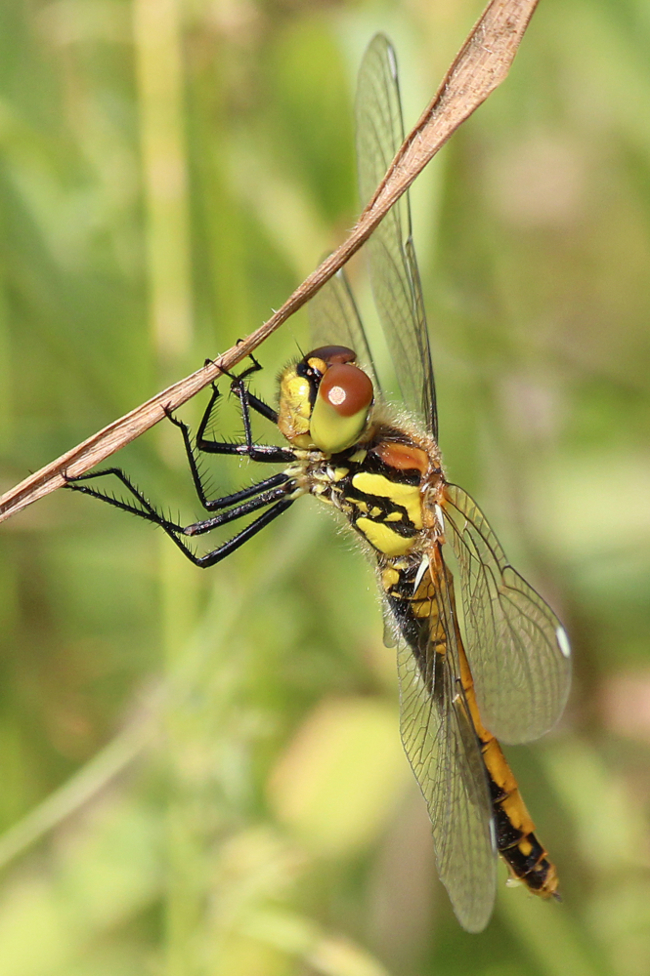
[
  {"x": 279, "y": 497},
  {"x": 214, "y": 504},
  {"x": 266, "y": 453},
  {"x": 278, "y": 491},
  {"x": 144, "y": 510}
]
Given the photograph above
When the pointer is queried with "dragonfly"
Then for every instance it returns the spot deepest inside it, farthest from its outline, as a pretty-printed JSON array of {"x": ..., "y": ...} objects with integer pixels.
[{"x": 481, "y": 657}]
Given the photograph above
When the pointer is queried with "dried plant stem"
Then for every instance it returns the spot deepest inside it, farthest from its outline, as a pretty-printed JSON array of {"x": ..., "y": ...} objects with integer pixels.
[{"x": 481, "y": 65}]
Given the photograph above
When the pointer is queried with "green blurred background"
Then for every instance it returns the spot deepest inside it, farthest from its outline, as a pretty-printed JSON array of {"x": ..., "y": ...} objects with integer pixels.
[{"x": 201, "y": 772}]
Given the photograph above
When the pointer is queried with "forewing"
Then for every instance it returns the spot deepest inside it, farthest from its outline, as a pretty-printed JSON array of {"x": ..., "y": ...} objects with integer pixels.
[
  {"x": 334, "y": 319},
  {"x": 393, "y": 267},
  {"x": 517, "y": 649},
  {"x": 445, "y": 755}
]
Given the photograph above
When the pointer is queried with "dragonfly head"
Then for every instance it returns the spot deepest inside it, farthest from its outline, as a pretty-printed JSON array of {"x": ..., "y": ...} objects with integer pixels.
[{"x": 325, "y": 399}]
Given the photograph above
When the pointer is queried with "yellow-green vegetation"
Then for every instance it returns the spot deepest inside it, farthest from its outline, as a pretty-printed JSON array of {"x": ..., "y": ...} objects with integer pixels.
[{"x": 201, "y": 771}]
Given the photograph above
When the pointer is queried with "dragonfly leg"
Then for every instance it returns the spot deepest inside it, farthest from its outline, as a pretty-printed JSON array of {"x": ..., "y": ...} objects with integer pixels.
[
  {"x": 266, "y": 453},
  {"x": 255, "y": 367},
  {"x": 274, "y": 494},
  {"x": 283, "y": 487},
  {"x": 212, "y": 558},
  {"x": 141, "y": 507},
  {"x": 279, "y": 496},
  {"x": 213, "y": 504}
]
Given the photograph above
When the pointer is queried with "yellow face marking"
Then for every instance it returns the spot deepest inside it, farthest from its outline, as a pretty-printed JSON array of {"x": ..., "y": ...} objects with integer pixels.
[
  {"x": 383, "y": 538},
  {"x": 406, "y": 495},
  {"x": 295, "y": 408},
  {"x": 394, "y": 517}
]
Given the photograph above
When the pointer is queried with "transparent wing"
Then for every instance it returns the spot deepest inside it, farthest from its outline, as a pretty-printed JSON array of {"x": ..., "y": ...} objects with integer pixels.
[
  {"x": 393, "y": 267},
  {"x": 517, "y": 649},
  {"x": 334, "y": 319},
  {"x": 444, "y": 752}
]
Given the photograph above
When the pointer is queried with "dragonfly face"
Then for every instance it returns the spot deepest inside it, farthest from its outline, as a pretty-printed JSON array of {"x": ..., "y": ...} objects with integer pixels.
[
  {"x": 325, "y": 400},
  {"x": 506, "y": 673}
]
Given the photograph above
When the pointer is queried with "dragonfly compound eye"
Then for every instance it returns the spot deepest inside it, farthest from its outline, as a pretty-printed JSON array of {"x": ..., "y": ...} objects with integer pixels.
[
  {"x": 332, "y": 354},
  {"x": 341, "y": 409}
]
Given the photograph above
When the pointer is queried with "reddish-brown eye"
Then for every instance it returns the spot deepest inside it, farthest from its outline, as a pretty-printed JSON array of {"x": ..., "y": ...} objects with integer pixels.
[{"x": 346, "y": 388}]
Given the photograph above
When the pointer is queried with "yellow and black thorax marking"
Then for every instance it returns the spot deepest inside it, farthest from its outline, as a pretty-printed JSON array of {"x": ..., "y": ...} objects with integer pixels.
[{"x": 379, "y": 487}]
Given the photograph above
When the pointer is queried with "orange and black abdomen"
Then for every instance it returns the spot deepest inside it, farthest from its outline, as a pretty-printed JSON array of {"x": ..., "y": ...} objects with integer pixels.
[
  {"x": 514, "y": 829},
  {"x": 415, "y": 610},
  {"x": 524, "y": 855}
]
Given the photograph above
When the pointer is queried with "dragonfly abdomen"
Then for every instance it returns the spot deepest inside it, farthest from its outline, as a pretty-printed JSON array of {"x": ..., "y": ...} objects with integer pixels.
[
  {"x": 414, "y": 604},
  {"x": 514, "y": 828}
]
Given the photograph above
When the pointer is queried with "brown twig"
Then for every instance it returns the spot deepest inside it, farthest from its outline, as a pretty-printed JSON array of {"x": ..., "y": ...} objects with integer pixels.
[{"x": 481, "y": 65}]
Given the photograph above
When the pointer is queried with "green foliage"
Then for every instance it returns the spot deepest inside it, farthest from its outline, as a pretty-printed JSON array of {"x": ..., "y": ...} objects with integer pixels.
[{"x": 201, "y": 773}]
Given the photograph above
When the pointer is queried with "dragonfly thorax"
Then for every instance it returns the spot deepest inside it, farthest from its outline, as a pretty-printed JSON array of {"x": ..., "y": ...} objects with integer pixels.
[
  {"x": 381, "y": 485},
  {"x": 325, "y": 400}
]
